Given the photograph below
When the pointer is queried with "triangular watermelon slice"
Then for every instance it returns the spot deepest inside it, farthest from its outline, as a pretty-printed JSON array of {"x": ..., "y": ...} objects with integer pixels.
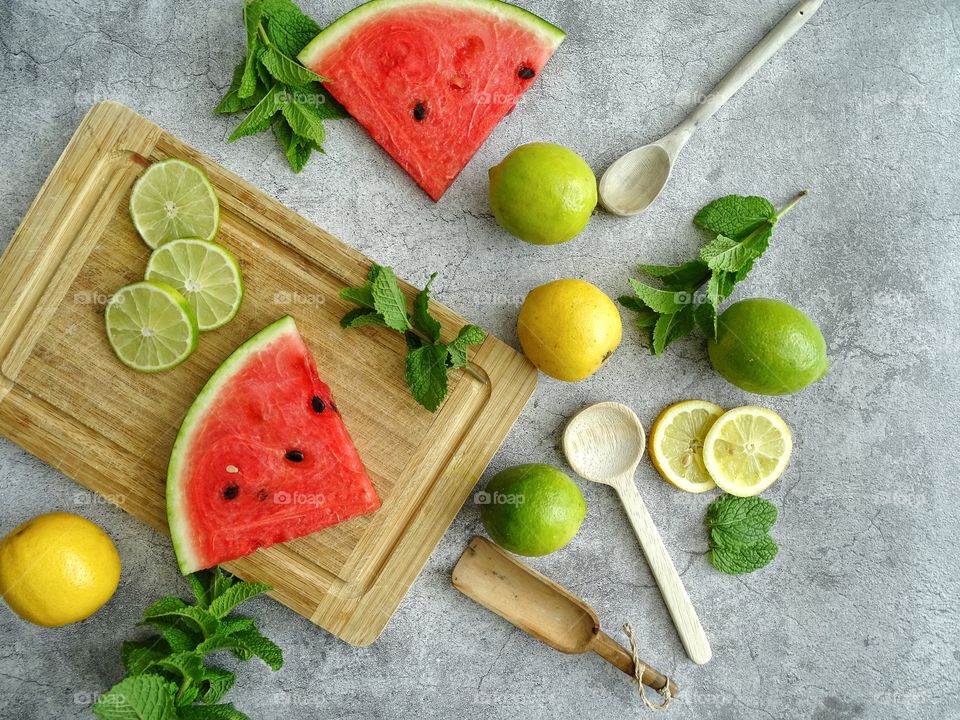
[
  {"x": 262, "y": 456},
  {"x": 429, "y": 79}
]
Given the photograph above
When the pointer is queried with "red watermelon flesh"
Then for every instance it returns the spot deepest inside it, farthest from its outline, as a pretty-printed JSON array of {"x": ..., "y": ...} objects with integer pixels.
[
  {"x": 430, "y": 79},
  {"x": 262, "y": 456}
]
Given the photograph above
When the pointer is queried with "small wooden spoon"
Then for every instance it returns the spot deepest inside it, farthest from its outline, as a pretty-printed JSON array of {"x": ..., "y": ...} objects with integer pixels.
[
  {"x": 633, "y": 182},
  {"x": 604, "y": 444},
  {"x": 540, "y": 607}
]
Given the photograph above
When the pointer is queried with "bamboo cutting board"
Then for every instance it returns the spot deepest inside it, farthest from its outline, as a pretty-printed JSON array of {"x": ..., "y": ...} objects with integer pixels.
[{"x": 67, "y": 399}]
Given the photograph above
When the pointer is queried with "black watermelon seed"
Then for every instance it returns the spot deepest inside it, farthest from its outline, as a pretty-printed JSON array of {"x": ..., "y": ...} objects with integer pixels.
[
  {"x": 262, "y": 494},
  {"x": 318, "y": 405},
  {"x": 419, "y": 111},
  {"x": 230, "y": 492},
  {"x": 294, "y": 456},
  {"x": 525, "y": 73},
  {"x": 334, "y": 406}
]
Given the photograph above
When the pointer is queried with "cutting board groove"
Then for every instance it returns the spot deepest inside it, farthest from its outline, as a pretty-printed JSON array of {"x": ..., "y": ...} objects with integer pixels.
[{"x": 65, "y": 398}]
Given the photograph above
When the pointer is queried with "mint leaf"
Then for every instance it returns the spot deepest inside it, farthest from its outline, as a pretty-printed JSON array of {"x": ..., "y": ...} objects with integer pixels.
[
  {"x": 138, "y": 655},
  {"x": 263, "y": 648},
  {"x": 285, "y": 70},
  {"x": 211, "y": 712},
  {"x": 296, "y": 149},
  {"x": 671, "y": 327},
  {"x": 287, "y": 27},
  {"x": 305, "y": 120},
  {"x": 361, "y": 317},
  {"x": 726, "y": 254},
  {"x": 719, "y": 287},
  {"x": 426, "y": 375},
  {"x": 199, "y": 589},
  {"x": 705, "y": 316},
  {"x": 740, "y": 520},
  {"x": 252, "y": 12},
  {"x": 389, "y": 301},
  {"x": 663, "y": 301},
  {"x": 689, "y": 275},
  {"x": 220, "y": 582},
  {"x": 178, "y": 639},
  {"x": 189, "y": 665},
  {"x": 144, "y": 697},
  {"x": 742, "y": 559},
  {"x": 362, "y": 296},
  {"x": 260, "y": 118},
  {"x": 422, "y": 319},
  {"x": 735, "y": 216},
  {"x": 216, "y": 683},
  {"x": 173, "y": 607},
  {"x": 231, "y": 101},
  {"x": 239, "y": 593},
  {"x": 457, "y": 349}
]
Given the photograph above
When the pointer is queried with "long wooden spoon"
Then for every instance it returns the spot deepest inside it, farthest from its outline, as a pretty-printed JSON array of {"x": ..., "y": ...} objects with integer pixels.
[
  {"x": 540, "y": 607},
  {"x": 633, "y": 182},
  {"x": 604, "y": 444}
]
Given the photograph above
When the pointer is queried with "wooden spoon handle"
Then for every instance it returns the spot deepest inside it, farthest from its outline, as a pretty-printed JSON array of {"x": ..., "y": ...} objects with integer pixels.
[
  {"x": 747, "y": 68},
  {"x": 675, "y": 596},
  {"x": 618, "y": 656}
]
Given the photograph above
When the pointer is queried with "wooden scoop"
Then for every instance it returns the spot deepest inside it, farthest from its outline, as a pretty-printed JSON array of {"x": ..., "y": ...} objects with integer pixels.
[{"x": 540, "y": 607}]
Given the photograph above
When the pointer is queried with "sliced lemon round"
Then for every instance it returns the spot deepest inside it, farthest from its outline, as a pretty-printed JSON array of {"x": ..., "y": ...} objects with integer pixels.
[
  {"x": 676, "y": 444},
  {"x": 150, "y": 326},
  {"x": 174, "y": 199},
  {"x": 205, "y": 273},
  {"x": 747, "y": 449}
]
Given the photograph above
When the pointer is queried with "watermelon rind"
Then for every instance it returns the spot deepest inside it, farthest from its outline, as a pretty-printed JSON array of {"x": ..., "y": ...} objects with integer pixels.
[
  {"x": 341, "y": 28},
  {"x": 180, "y": 531}
]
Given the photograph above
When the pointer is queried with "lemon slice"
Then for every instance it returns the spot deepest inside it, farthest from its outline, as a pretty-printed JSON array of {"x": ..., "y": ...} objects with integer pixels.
[
  {"x": 747, "y": 449},
  {"x": 174, "y": 199},
  {"x": 676, "y": 444},
  {"x": 206, "y": 274},
  {"x": 150, "y": 326}
]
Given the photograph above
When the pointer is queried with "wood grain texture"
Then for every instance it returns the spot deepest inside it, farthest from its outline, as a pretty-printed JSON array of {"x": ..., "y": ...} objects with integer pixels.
[{"x": 67, "y": 399}]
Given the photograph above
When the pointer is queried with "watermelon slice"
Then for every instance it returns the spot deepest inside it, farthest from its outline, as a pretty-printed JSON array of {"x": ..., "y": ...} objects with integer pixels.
[
  {"x": 430, "y": 79},
  {"x": 262, "y": 456}
]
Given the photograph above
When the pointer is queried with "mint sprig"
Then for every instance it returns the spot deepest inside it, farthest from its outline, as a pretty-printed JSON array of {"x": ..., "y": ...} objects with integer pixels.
[
  {"x": 690, "y": 294},
  {"x": 167, "y": 673},
  {"x": 381, "y": 303},
  {"x": 739, "y": 533},
  {"x": 278, "y": 91}
]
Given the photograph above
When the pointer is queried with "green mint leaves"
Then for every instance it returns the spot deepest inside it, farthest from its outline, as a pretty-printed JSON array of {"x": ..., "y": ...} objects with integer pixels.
[
  {"x": 167, "y": 673},
  {"x": 278, "y": 91},
  {"x": 690, "y": 294},
  {"x": 739, "y": 539},
  {"x": 382, "y": 304}
]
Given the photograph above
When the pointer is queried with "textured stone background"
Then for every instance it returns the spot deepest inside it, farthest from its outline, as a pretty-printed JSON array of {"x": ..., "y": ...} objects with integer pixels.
[{"x": 857, "y": 618}]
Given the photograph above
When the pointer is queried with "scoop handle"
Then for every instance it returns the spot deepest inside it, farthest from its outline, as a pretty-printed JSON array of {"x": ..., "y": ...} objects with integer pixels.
[
  {"x": 746, "y": 69},
  {"x": 675, "y": 596},
  {"x": 617, "y": 655}
]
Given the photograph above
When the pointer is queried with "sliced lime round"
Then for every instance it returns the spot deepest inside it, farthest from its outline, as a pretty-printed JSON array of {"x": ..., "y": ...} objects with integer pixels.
[
  {"x": 205, "y": 273},
  {"x": 150, "y": 326},
  {"x": 174, "y": 199}
]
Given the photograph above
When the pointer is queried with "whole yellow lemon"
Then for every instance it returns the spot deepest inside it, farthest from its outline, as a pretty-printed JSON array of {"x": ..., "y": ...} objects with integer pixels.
[
  {"x": 568, "y": 328},
  {"x": 57, "y": 569}
]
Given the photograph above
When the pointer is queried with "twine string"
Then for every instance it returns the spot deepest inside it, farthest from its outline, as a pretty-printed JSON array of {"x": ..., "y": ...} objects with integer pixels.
[{"x": 639, "y": 667}]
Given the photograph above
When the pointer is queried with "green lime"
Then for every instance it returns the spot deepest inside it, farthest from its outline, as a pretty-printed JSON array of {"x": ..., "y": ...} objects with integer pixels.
[
  {"x": 768, "y": 347},
  {"x": 531, "y": 509},
  {"x": 207, "y": 275},
  {"x": 150, "y": 326},
  {"x": 543, "y": 193},
  {"x": 174, "y": 199}
]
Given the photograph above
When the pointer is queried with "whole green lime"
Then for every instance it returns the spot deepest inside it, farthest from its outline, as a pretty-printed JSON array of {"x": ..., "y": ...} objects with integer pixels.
[
  {"x": 768, "y": 347},
  {"x": 531, "y": 509},
  {"x": 543, "y": 193}
]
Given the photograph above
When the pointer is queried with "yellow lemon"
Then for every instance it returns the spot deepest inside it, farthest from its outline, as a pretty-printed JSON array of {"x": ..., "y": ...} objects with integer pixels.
[
  {"x": 676, "y": 444},
  {"x": 747, "y": 449},
  {"x": 57, "y": 569},
  {"x": 568, "y": 328}
]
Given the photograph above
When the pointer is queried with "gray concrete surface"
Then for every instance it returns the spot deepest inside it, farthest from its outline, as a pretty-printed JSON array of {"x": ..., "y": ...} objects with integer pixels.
[{"x": 857, "y": 618}]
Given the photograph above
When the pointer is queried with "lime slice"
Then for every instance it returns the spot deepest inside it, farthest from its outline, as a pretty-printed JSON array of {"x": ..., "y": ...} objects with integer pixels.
[
  {"x": 676, "y": 444},
  {"x": 747, "y": 449},
  {"x": 206, "y": 274},
  {"x": 174, "y": 199},
  {"x": 150, "y": 326}
]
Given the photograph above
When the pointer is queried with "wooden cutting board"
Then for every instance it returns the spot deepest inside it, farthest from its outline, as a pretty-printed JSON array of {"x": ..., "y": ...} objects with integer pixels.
[{"x": 65, "y": 398}]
